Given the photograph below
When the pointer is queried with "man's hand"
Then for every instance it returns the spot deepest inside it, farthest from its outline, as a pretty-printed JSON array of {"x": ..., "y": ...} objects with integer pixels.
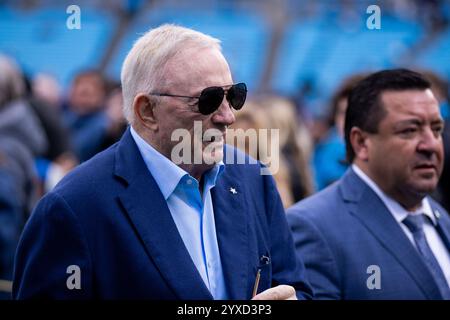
[{"x": 281, "y": 292}]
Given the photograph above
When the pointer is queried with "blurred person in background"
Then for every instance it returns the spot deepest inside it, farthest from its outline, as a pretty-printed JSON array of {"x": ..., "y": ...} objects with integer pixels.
[
  {"x": 46, "y": 88},
  {"x": 293, "y": 176},
  {"x": 21, "y": 140},
  {"x": 432, "y": 14},
  {"x": 22, "y": 137},
  {"x": 93, "y": 114},
  {"x": 117, "y": 124},
  {"x": 58, "y": 157},
  {"x": 84, "y": 113},
  {"x": 329, "y": 153},
  {"x": 10, "y": 226},
  {"x": 295, "y": 144}
]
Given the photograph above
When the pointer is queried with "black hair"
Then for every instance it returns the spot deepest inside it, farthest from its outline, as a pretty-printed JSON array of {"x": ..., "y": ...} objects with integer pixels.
[{"x": 365, "y": 109}]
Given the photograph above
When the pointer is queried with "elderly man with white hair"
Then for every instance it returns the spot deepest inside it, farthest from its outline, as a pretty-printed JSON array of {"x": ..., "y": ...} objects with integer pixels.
[{"x": 146, "y": 219}]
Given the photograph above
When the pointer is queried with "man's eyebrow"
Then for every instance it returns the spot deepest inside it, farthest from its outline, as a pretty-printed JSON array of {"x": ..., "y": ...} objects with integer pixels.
[
  {"x": 409, "y": 122},
  {"x": 417, "y": 122},
  {"x": 438, "y": 121}
]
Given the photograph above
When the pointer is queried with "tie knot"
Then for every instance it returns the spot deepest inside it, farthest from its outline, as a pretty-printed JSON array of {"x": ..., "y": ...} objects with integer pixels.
[{"x": 414, "y": 222}]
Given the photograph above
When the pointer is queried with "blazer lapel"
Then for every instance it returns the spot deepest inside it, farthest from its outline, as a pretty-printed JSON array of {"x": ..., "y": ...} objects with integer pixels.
[
  {"x": 366, "y": 206},
  {"x": 151, "y": 218},
  {"x": 443, "y": 224},
  {"x": 230, "y": 215}
]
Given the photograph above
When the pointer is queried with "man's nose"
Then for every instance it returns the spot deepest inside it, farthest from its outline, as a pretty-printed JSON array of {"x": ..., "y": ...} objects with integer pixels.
[
  {"x": 430, "y": 142},
  {"x": 224, "y": 115}
]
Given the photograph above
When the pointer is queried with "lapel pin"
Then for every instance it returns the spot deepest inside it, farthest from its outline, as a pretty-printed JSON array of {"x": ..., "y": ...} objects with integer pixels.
[
  {"x": 437, "y": 214},
  {"x": 233, "y": 190}
]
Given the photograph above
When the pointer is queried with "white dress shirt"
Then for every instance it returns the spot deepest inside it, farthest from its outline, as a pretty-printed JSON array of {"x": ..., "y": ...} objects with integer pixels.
[
  {"x": 192, "y": 212},
  {"x": 399, "y": 213}
]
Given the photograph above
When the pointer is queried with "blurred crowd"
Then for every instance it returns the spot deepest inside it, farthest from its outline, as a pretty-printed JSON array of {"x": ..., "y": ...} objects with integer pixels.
[{"x": 44, "y": 133}]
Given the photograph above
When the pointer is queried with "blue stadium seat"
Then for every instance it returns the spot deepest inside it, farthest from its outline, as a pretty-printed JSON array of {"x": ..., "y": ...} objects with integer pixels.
[
  {"x": 302, "y": 52},
  {"x": 327, "y": 52},
  {"x": 40, "y": 41},
  {"x": 244, "y": 38},
  {"x": 437, "y": 56},
  {"x": 362, "y": 50}
]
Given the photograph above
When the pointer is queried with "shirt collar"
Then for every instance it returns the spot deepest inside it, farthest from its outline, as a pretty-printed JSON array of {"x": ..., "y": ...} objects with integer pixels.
[
  {"x": 393, "y": 206},
  {"x": 167, "y": 174},
  {"x": 212, "y": 175}
]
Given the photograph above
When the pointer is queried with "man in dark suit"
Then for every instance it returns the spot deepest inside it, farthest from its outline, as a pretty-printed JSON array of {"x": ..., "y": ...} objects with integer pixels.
[
  {"x": 145, "y": 220},
  {"x": 375, "y": 234}
]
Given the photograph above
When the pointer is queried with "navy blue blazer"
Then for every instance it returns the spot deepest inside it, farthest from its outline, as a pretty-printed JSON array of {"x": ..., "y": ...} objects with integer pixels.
[
  {"x": 343, "y": 230},
  {"x": 109, "y": 217}
]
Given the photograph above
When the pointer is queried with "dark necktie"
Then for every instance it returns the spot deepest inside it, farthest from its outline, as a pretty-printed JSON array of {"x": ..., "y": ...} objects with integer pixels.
[{"x": 415, "y": 225}]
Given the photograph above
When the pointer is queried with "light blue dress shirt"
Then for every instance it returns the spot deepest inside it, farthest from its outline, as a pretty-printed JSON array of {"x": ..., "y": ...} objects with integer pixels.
[{"x": 192, "y": 213}]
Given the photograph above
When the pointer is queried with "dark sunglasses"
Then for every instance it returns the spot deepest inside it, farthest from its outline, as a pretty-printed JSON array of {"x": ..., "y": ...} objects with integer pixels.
[{"x": 211, "y": 98}]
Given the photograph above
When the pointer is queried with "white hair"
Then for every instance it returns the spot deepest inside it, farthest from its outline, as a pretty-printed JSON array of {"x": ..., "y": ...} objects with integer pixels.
[
  {"x": 12, "y": 85},
  {"x": 143, "y": 67}
]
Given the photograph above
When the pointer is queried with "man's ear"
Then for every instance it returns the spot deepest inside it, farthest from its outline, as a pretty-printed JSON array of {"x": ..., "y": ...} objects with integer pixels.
[
  {"x": 360, "y": 143},
  {"x": 143, "y": 107}
]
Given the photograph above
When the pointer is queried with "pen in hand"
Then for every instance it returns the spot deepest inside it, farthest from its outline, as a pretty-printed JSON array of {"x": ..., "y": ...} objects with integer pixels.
[{"x": 255, "y": 287}]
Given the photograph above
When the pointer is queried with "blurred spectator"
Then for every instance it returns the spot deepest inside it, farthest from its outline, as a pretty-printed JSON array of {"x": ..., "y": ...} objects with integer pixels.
[
  {"x": 21, "y": 135},
  {"x": 432, "y": 14},
  {"x": 21, "y": 139},
  {"x": 58, "y": 158},
  {"x": 47, "y": 89},
  {"x": 293, "y": 177},
  {"x": 329, "y": 154},
  {"x": 94, "y": 114},
  {"x": 295, "y": 144},
  {"x": 10, "y": 224},
  {"x": 85, "y": 113},
  {"x": 117, "y": 123}
]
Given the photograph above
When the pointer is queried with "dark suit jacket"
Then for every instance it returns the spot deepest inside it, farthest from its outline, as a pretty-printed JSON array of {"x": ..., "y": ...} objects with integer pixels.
[
  {"x": 109, "y": 218},
  {"x": 346, "y": 228}
]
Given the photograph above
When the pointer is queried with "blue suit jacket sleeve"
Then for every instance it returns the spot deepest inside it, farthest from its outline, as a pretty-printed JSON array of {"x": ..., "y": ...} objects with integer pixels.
[
  {"x": 52, "y": 241},
  {"x": 286, "y": 266},
  {"x": 313, "y": 249}
]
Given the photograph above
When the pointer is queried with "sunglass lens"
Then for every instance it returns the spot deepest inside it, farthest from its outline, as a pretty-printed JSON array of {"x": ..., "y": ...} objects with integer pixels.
[
  {"x": 210, "y": 100},
  {"x": 237, "y": 95}
]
